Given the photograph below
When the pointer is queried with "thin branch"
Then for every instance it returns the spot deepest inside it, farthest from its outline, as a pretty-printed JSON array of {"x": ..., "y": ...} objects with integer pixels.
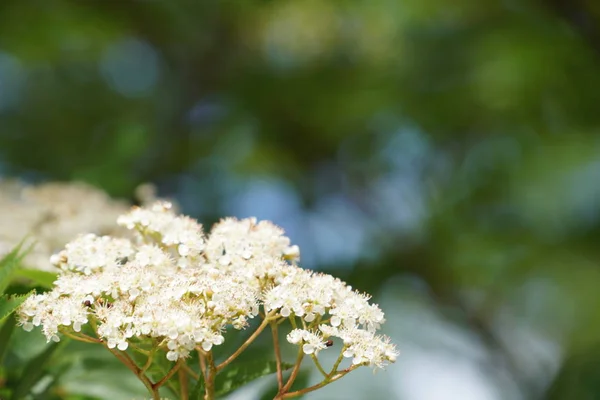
[
  {"x": 247, "y": 343},
  {"x": 319, "y": 367},
  {"x": 319, "y": 385},
  {"x": 169, "y": 374},
  {"x": 140, "y": 350},
  {"x": 190, "y": 372},
  {"x": 274, "y": 331},
  {"x": 183, "y": 382},
  {"x": 125, "y": 359},
  {"x": 148, "y": 362},
  {"x": 295, "y": 371},
  {"x": 81, "y": 337},
  {"x": 337, "y": 363},
  {"x": 209, "y": 388},
  {"x": 202, "y": 362}
]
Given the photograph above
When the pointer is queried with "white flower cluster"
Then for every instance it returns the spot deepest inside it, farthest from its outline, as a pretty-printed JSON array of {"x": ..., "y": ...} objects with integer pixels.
[
  {"x": 51, "y": 214},
  {"x": 182, "y": 289},
  {"x": 329, "y": 308}
]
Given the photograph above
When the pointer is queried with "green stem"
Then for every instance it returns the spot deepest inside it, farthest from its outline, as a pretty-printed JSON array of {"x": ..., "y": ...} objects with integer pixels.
[
  {"x": 148, "y": 361},
  {"x": 337, "y": 363},
  {"x": 319, "y": 367},
  {"x": 140, "y": 350}
]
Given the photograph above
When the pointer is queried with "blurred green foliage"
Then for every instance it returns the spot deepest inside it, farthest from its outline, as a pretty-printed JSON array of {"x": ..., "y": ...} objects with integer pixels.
[{"x": 454, "y": 144}]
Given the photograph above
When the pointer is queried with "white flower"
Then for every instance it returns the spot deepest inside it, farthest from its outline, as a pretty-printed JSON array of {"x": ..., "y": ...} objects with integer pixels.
[
  {"x": 152, "y": 255},
  {"x": 311, "y": 342},
  {"x": 89, "y": 252},
  {"x": 295, "y": 336},
  {"x": 51, "y": 214},
  {"x": 235, "y": 241},
  {"x": 176, "y": 288},
  {"x": 53, "y": 311},
  {"x": 363, "y": 346},
  {"x": 292, "y": 253},
  {"x": 158, "y": 222}
]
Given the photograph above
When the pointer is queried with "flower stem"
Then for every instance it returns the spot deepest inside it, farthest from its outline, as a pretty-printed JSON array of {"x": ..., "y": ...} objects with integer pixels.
[
  {"x": 202, "y": 362},
  {"x": 319, "y": 367},
  {"x": 247, "y": 343},
  {"x": 140, "y": 350},
  {"x": 274, "y": 331},
  {"x": 190, "y": 371},
  {"x": 325, "y": 382},
  {"x": 125, "y": 359},
  {"x": 209, "y": 378},
  {"x": 295, "y": 371},
  {"x": 148, "y": 362},
  {"x": 169, "y": 374},
  {"x": 183, "y": 382},
  {"x": 81, "y": 337},
  {"x": 337, "y": 363}
]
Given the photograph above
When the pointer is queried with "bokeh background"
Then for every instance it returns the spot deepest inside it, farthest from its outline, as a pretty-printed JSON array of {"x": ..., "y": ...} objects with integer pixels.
[{"x": 443, "y": 156}]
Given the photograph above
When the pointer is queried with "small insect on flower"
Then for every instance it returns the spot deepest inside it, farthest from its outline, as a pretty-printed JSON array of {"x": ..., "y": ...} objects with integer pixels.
[{"x": 329, "y": 343}]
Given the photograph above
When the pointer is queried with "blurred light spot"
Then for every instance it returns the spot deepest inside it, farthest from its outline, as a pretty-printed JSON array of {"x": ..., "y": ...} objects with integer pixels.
[
  {"x": 408, "y": 148},
  {"x": 399, "y": 203},
  {"x": 398, "y": 198},
  {"x": 538, "y": 356},
  {"x": 264, "y": 199},
  {"x": 340, "y": 231},
  {"x": 206, "y": 113},
  {"x": 329, "y": 177},
  {"x": 439, "y": 359},
  {"x": 585, "y": 197},
  {"x": 436, "y": 376},
  {"x": 540, "y": 315},
  {"x": 298, "y": 33},
  {"x": 130, "y": 67},
  {"x": 12, "y": 79}
]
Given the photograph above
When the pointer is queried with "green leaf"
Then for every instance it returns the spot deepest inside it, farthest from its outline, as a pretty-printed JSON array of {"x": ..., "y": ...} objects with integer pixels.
[
  {"x": 243, "y": 373},
  {"x": 197, "y": 392},
  {"x": 9, "y": 264},
  {"x": 93, "y": 373},
  {"x": 8, "y": 304},
  {"x": 5, "y": 334},
  {"x": 159, "y": 368},
  {"x": 42, "y": 278},
  {"x": 33, "y": 371}
]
